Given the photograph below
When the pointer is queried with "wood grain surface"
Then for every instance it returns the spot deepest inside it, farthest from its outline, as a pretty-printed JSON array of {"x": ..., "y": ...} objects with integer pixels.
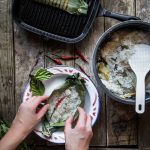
[
  {"x": 7, "y": 75},
  {"x": 143, "y": 11},
  {"x": 63, "y": 148},
  {"x": 21, "y": 53}
]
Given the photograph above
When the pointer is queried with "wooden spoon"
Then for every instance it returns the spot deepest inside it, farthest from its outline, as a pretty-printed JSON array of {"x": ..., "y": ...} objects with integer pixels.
[{"x": 140, "y": 64}]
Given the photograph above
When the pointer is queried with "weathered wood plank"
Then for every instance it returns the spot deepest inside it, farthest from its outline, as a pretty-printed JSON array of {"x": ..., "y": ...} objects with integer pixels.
[
  {"x": 28, "y": 57},
  {"x": 121, "y": 124},
  {"x": 143, "y": 11},
  {"x": 121, "y": 119},
  {"x": 51, "y": 148},
  {"x": 7, "y": 101},
  {"x": 87, "y": 48},
  {"x": 94, "y": 148},
  {"x": 35, "y": 141},
  {"x": 91, "y": 148},
  {"x": 144, "y": 129},
  {"x": 119, "y": 6}
]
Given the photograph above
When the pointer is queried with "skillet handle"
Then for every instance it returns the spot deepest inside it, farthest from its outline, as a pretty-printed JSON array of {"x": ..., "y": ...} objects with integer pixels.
[{"x": 119, "y": 17}]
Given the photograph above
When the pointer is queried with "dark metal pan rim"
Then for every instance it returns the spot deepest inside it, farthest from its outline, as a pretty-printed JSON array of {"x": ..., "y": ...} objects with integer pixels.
[
  {"x": 48, "y": 35},
  {"x": 94, "y": 62}
]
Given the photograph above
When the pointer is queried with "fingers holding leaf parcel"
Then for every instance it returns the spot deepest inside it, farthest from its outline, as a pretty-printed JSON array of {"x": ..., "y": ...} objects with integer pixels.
[
  {"x": 42, "y": 111},
  {"x": 27, "y": 116},
  {"x": 68, "y": 124},
  {"x": 37, "y": 100},
  {"x": 82, "y": 118},
  {"x": 84, "y": 123},
  {"x": 80, "y": 136}
]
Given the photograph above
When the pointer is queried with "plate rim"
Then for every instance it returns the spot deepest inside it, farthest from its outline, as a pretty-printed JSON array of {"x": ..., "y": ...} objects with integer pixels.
[{"x": 64, "y": 67}]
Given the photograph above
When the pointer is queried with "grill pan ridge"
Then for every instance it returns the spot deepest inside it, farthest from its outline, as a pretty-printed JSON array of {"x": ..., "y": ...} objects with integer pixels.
[{"x": 53, "y": 23}]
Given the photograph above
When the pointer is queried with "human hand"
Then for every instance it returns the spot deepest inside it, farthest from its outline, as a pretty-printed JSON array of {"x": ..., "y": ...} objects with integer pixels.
[
  {"x": 27, "y": 116},
  {"x": 79, "y": 137}
]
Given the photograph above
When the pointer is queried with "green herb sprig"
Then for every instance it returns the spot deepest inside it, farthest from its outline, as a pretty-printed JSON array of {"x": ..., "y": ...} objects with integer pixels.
[
  {"x": 36, "y": 85},
  {"x": 42, "y": 74},
  {"x": 4, "y": 127}
]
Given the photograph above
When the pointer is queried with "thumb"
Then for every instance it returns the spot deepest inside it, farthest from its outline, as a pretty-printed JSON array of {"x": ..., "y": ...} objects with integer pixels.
[
  {"x": 43, "y": 111},
  {"x": 68, "y": 123}
]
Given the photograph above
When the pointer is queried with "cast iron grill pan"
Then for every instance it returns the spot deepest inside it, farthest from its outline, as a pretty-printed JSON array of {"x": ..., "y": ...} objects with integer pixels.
[{"x": 53, "y": 23}]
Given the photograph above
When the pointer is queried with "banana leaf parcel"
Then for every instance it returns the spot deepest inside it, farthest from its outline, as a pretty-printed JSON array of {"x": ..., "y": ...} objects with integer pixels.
[
  {"x": 71, "y": 6},
  {"x": 63, "y": 103}
]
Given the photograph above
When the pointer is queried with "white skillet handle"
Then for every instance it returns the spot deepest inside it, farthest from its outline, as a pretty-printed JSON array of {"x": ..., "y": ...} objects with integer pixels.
[{"x": 140, "y": 93}]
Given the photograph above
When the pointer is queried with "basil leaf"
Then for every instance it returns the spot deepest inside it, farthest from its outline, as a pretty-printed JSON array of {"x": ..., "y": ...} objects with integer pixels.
[
  {"x": 46, "y": 127},
  {"x": 58, "y": 124},
  {"x": 36, "y": 86},
  {"x": 42, "y": 74},
  {"x": 3, "y": 128}
]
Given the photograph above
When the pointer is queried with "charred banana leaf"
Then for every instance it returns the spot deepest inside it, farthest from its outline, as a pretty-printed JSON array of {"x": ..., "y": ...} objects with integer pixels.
[
  {"x": 63, "y": 103},
  {"x": 71, "y": 6}
]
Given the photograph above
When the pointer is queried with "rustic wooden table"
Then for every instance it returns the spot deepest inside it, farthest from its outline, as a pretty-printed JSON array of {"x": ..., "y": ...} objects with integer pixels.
[{"x": 118, "y": 126}]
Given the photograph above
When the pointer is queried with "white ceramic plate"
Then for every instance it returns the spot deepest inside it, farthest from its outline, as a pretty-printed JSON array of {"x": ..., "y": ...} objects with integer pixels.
[{"x": 91, "y": 100}]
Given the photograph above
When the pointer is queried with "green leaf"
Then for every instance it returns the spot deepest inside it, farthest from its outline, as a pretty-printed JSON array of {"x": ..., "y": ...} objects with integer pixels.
[
  {"x": 42, "y": 74},
  {"x": 71, "y": 6},
  {"x": 4, "y": 127},
  {"x": 36, "y": 86},
  {"x": 58, "y": 124},
  {"x": 23, "y": 146},
  {"x": 124, "y": 46},
  {"x": 46, "y": 128}
]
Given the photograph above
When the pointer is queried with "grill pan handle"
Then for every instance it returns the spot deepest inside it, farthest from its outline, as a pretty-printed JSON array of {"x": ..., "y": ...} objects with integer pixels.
[{"x": 117, "y": 16}]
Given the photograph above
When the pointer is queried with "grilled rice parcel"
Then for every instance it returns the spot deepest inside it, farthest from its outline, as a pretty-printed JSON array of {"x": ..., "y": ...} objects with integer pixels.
[
  {"x": 71, "y": 6},
  {"x": 113, "y": 67},
  {"x": 63, "y": 101}
]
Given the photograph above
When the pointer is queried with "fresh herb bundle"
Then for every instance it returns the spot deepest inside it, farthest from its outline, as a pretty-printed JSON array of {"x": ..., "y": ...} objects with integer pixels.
[
  {"x": 71, "y": 6},
  {"x": 4, "y": 127}
]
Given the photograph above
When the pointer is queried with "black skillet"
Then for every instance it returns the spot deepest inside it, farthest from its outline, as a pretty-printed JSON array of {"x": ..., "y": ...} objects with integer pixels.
[
  {"x": 53, "y": 23},
  {"x": 134, "y": 24}
]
